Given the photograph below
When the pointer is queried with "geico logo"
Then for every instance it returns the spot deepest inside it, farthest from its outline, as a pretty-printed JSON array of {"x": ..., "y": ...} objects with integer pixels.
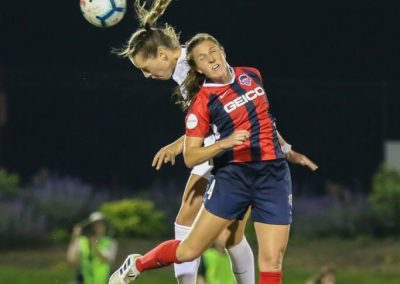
[{"x": 243, "y": 99}]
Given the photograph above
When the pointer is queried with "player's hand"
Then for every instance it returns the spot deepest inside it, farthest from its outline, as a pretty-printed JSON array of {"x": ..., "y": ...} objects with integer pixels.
[
  {"x": 165, "y": 155},
  {"x": 77, "y": 231},
  {"x": 237, "y": 138},
  {"x": 300, "y": 159}
]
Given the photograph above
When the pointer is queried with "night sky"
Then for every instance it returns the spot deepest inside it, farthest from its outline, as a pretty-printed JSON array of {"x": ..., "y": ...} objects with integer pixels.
[{"x": 331, "y": 68}]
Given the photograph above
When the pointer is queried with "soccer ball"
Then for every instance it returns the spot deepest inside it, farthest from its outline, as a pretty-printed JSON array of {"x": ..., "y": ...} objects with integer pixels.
[{"x": 103, "y": 13}]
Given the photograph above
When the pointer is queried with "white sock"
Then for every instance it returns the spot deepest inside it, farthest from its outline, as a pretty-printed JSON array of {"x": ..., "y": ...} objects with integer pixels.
[
  {"x": 242, "y": 261},
  {"x": 185, "y": 273}
]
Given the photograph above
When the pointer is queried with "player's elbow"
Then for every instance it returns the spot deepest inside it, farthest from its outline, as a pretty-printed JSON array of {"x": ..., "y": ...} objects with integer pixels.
[
  {"x": 189, "y": 162},
  {"x": 188, "y": 159}
]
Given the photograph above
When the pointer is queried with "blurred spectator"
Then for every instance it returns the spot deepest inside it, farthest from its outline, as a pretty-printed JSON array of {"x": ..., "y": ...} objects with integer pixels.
[
  {"x": 92, "y": 250},
  {"x": 215, "y": 266}
]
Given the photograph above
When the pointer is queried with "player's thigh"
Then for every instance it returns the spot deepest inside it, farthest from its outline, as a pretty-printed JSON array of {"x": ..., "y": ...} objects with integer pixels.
[
  {"x": 203, "y": 233},
  {"x": 192, "y": 199},
  {"x": 233, "y": 234},
  {"x": 272, "y": 242}
]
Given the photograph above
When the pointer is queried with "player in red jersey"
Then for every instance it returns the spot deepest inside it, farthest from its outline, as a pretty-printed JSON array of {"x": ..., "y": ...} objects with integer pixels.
[
  {"x": 250, "y": 168},
  {"x": 159, "y": 55}
]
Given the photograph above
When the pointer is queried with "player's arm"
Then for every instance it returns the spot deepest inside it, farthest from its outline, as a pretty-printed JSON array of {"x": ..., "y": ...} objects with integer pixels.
[
  {"x": 198, "y": 127},
  {"x": 291, "y": 155},
  {"x": 194, "y": 153},
  {"x": 168, "y": 153},
  {"x": 295, "y": 157},
  {"x": 73, "y": 252}
]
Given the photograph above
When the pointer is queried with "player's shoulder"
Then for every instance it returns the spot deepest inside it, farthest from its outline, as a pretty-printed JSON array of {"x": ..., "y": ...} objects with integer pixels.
[
  {"x": 201, "y": 97},
  {"x": 252, "y": 71},
  {"x": 247, "y": 68},
  {"x": 204, "y": 93}
]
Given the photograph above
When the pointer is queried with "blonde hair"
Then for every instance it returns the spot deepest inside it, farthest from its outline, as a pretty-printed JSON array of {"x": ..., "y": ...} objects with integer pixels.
[
  {"x": 148, "y": 38},
  {"x": 192, "y": 84}
]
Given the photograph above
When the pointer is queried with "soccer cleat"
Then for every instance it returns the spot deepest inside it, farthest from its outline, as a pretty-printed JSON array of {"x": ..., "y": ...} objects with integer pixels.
[{"x": 127, "y": 273}]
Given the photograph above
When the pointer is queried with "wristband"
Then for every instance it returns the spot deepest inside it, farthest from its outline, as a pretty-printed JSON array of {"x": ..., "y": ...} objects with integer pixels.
[{"x": 286, "y": 148}]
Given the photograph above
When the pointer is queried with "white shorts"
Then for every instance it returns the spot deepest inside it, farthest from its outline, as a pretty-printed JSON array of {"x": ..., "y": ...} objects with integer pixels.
[{"x": 204, "y": 169}]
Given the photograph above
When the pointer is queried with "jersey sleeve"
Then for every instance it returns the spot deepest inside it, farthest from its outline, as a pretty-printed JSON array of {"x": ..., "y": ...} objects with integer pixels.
[
  {"x": 198, "y": 118},
  {"x": 256, "y": 72}
]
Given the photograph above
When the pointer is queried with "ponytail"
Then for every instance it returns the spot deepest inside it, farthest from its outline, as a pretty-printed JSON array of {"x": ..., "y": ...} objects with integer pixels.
[
  {"x": 147, "y": 18},
  {"x": 148, "y": 37}
]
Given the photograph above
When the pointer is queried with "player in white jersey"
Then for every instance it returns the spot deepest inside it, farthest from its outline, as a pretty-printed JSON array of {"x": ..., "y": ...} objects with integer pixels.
[{"x": 157, "y": 52}]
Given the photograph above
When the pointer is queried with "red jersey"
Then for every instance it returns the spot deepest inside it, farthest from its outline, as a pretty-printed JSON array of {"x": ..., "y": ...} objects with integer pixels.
[{"x": 241, "y": 104}]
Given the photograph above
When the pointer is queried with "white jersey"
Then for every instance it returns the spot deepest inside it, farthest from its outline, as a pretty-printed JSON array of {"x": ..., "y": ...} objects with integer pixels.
[
  {"x": 182, "y": 68},
  {"x": 180, "y": 73}
]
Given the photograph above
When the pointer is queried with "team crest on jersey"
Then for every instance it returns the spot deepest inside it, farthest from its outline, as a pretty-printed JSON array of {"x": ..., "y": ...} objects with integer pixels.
[{"x": 244, "y": 80}]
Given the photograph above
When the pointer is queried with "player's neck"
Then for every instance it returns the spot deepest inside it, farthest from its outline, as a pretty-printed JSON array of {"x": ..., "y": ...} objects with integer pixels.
[{"x": 227, "y": 78}]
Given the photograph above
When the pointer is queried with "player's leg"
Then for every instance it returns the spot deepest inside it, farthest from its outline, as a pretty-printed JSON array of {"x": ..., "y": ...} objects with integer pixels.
[
  {"x": 200, "y": 237},
  {"x": 239, "y": 251},
  {"x": 272, "y": 216},
  {"x": 272, "y": 242},
  {"x": 237, "y": 247},
  {"x": 230, "y": 190},
  {"x": 226, "y": 199},
  {"x": 192, "y": 199}
]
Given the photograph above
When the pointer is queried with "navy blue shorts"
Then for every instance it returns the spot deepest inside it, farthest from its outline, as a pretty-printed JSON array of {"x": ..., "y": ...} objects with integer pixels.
[{"x": 265, "y": 186}]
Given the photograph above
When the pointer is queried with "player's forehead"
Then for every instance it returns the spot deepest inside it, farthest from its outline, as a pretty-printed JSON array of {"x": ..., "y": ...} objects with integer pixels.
[
  {"x": 138, "y": 61},
  {"x": 205, "y": 47}
]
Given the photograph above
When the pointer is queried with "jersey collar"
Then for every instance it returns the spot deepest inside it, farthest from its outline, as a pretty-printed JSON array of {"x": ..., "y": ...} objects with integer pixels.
[{"x": 181, "y": 68}]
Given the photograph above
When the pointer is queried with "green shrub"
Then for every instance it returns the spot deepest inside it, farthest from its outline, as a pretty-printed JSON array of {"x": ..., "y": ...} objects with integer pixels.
[
  {"x": 385, "y": 197},
  {"x": 8, "y": 183},
  {"x": 134, "y": 218},
  {"x": 59, "y": 235}
]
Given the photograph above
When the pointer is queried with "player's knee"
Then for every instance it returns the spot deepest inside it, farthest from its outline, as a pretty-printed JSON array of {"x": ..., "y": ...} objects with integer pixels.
[
  {"x": 233, "y": 240},
  {"x": 271, "y": 262},
  {"x": 192, "y": 254},
  {"x": 187, "y": 253},
  {"x": 230, "y": 237},
  {"x": 185, "y": 218},
  {"x": 270, "y": 265}
]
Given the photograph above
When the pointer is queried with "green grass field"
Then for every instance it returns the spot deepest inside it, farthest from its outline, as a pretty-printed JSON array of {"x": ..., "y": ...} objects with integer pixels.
[{"x": 355, "y": 261}]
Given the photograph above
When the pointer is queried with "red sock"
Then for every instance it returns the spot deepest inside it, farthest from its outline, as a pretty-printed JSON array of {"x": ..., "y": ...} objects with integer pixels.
[
  {"x": 270, "y": 278},
  {"x": 162, "y": 255}
]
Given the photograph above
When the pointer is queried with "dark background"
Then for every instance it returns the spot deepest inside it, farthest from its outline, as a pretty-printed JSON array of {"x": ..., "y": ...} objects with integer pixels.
[{"x": 331, "y": 69}]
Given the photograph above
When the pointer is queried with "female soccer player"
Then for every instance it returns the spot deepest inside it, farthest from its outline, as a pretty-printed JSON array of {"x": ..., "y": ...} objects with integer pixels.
[
  {"x": 159, "y": 55},
  {"x": 249, "y": 167}
]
